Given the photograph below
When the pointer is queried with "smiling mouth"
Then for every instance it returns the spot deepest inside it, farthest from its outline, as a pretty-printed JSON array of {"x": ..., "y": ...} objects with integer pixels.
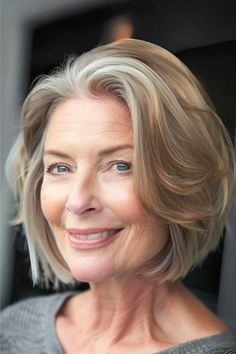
[{"x": 95, "y": 235}]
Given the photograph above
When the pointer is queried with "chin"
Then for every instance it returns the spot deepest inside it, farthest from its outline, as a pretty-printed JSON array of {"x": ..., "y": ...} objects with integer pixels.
[{"x": 91, "y": 272}]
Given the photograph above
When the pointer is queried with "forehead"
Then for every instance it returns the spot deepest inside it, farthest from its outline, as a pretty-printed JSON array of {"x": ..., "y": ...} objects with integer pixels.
[{"x": 87, "y": 117}]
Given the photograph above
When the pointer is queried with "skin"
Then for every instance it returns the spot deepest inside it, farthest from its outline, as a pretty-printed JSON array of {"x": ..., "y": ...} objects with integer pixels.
[{"x": 84, "y": 188}]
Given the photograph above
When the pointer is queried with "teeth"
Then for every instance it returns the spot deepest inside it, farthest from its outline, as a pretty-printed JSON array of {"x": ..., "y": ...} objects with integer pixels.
[{"x": 96, "y": 235}]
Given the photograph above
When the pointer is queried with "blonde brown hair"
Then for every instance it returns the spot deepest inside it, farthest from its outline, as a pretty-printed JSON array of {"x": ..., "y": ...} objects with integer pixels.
[{"x": 183, "y": 156}]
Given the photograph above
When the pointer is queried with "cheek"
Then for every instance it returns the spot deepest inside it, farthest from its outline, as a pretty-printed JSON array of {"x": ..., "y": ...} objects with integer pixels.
[
  {"x": 122, "y": 199},
  {"x": 52, "y": 203}
]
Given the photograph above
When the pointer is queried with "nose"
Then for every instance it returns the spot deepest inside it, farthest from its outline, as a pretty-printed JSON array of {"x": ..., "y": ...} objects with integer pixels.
[{"x": 83, "y": 197}]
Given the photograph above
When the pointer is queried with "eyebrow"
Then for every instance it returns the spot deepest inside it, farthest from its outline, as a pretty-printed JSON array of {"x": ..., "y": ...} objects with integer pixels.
[{"x": 101, "y": 153}]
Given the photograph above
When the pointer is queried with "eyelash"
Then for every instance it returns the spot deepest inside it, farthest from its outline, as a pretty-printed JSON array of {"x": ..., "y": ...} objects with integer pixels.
[{"x": 51, "y": 167}]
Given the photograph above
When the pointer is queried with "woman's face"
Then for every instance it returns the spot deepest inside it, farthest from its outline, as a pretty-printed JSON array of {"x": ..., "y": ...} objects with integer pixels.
[{"x": 87, "y": 194}]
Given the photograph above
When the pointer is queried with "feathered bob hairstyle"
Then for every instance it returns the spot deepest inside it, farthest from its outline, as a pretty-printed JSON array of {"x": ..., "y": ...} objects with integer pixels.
[{"x": 183, "y": 156}]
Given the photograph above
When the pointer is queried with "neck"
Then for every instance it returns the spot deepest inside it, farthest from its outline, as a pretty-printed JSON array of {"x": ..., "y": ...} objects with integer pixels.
[{"x": 126, "y": 307}]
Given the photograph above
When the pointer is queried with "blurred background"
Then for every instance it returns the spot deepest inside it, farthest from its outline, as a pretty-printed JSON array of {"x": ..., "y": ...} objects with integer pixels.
[{"x": 36, "y": 36}]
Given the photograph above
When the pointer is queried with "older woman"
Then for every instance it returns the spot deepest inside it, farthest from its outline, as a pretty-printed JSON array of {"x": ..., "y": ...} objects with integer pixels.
[{"x": 124, "y": 175}]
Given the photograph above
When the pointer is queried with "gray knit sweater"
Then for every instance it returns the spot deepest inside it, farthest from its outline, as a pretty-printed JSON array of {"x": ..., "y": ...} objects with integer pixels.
[{"x": 28, "y": 327}]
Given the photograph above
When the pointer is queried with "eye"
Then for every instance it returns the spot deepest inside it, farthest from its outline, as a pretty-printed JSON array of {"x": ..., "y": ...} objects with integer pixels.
[
  {"x": 58, "y": 168},
  {"x": 122, "y": 166}
]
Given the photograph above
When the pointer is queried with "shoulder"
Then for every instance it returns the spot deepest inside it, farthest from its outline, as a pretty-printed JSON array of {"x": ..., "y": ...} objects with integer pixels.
[
  {"x": 198, "y": 329},
  {"x": 23, "y": 323},
  {"x": 222, "y": 343},
  {"x": 28, "y": 312},
  {"x": 20, "y": 313}
]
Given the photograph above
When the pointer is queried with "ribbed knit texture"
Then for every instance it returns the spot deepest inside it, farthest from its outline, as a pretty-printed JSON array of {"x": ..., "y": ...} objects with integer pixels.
[{"x": 28, "y": 327}]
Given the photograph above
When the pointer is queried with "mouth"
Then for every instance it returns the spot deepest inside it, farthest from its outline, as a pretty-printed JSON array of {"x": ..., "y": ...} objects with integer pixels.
[
  {"x": 92, "y": 238},
  {"x": 95, "y": 235}
]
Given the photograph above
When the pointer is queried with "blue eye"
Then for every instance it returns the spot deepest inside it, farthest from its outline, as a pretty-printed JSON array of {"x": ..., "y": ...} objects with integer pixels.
[
  {"x": 61, "y": 169},
  {"x": 123, "y": 166},
  {"x": 57, "y": 169}
]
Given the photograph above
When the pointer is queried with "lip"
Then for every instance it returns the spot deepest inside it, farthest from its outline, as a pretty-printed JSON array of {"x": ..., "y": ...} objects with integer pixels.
[{"x": 78, "y": 243}]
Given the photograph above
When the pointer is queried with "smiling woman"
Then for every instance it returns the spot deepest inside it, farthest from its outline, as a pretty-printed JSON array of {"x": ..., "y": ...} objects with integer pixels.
[
  {"x": 124, "y": 175},
  {"x": 88, "y": 196}
]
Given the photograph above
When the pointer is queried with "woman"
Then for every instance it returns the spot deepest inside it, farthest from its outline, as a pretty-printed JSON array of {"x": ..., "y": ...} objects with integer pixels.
[{"x": 124, "y": 175}]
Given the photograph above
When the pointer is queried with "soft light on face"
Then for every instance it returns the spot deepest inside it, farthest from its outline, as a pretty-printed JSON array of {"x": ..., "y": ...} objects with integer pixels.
[{"x": 87, "y": 194}]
